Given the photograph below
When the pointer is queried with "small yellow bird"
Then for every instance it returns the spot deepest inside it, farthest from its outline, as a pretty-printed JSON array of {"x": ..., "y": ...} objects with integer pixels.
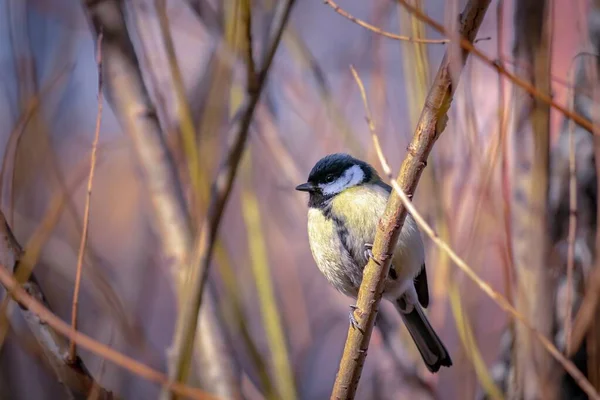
[{"x": 346, "y": 200}]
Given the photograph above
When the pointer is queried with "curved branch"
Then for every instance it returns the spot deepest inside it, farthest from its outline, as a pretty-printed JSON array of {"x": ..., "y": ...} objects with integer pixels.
[
  {"x": 431, "y": 124},
  {"x": 44, "y": 316},
  {"x": 379, "y": 31},
  {"x": 523, "y": 84},
  {"x": 127, "y": 93},
  {"x": 221, "y": 188},
  {"x": 72, "y": 373}
]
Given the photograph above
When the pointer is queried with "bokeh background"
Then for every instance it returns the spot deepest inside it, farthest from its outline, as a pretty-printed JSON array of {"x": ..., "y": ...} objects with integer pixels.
[{"x": 310, "y": 107}]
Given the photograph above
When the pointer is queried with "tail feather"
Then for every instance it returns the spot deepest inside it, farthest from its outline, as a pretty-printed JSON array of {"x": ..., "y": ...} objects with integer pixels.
[{"x": 428, "y": 343}]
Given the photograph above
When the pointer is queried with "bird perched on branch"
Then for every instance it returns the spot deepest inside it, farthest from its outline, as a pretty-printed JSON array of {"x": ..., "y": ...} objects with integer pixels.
[{"x": 346, "y": 200}]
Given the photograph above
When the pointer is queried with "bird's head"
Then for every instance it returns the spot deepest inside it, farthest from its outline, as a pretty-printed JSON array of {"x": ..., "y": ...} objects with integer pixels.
[{"x": 335, "y": 173}]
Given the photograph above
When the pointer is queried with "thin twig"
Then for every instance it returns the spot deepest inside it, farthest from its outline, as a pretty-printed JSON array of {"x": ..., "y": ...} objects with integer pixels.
[
  {"x": 74, "y": 376},
  {"x": 442, "y": 245},
  {"x": 431, "y": 124},
  {"x": 379, "y": 31},
  {"x": 202, "y": 254},
  {"x": 529, "y": 88},
  {"x": 128, "y": 95},
  {"x": 86, "y": 212},
  {"x": 47, "y": 317}
]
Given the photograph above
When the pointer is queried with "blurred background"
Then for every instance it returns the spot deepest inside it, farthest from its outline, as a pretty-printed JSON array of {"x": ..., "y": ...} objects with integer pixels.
[{"x": 276, "y": 329}]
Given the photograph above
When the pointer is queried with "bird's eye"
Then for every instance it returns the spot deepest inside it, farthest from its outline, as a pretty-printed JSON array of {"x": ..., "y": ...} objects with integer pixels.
[{"x": 329, "y": 178}]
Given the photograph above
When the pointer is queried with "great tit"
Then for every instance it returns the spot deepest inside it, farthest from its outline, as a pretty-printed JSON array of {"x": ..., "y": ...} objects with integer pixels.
[{"x": 346, "y": 200}]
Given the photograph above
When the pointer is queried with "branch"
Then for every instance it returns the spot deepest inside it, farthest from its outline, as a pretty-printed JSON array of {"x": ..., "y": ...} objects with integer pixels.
[
  {"x": 186, "y": 325},
  {"x": 74, "y": 375},
  {"x": 523, "y": 84},
  {"x": 128, "y": 95},
  {"x": 531, "y": 146},
  {"x": 88, "y": 198},
  {"x": 379, "y": 31},
  {"x": 501, "y": 301},
  {"x": 43, "y": 316},
  {"x": 431, "y": 124}
]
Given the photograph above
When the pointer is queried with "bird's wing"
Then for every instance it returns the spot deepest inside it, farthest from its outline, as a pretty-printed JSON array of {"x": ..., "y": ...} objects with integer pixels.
[
  {"x": 421, "y": 278},
  {"x": 422, "y": 288}
]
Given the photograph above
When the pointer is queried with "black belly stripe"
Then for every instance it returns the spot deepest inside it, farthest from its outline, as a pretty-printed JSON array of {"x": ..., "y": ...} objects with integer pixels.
[
  {"x": 341, "y": 230},
  {"x": 343, "y": 233}
]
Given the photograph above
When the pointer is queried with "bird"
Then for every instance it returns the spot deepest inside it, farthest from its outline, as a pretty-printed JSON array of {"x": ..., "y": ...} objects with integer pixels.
[{"x": 346, "y": 200}]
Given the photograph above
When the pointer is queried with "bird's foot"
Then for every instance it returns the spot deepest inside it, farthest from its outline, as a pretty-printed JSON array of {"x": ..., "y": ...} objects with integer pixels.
[
  {"x": 353, "y": 321},
  {"x": 368, "y": 252}
]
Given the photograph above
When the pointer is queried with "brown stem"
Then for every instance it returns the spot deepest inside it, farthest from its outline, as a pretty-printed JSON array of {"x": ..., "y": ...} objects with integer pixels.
[
  {"x": 221, "y": 188},
  {"x": 74, "y": 375},
  {"x": 431, "y": 124},
  {"x": 86, "y": 213}
]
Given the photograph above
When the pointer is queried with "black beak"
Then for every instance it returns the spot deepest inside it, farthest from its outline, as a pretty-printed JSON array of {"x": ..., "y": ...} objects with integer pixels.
[{"x": 306, "y": 187}]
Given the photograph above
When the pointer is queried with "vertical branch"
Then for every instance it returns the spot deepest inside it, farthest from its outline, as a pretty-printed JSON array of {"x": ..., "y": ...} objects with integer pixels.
[
  {"x": 431, "y": 125},
  {"x": 202, "y": 254},
  {"x": 529, "y": 194},
  {"x": 127, "y": 93},
  {"x": 125, "y": 90},
  {"x": 282, "y": 368},
  {"x": 72, "y": 374},
  {"x": 185, "y": 116},
  {"x": 88, "y": 198}
]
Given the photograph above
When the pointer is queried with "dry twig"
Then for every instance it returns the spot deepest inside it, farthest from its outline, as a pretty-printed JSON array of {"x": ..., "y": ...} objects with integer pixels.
[
  {"x": 86, "y": 212},
  {"x": 468, "y": 45},
  {"x": 125, "y": 89},
  {"x": 73, "y": 375},
  {"x": 431, "y": 124},
  {"x": 379, "y": 31},
  {"x": 484, "y": 286},
  {"x": 45, "y": 317},
  {"x": 221, "y": 188}
]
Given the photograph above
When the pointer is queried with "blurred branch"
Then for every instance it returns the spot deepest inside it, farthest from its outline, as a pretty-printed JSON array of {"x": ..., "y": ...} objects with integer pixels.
[
  {"x": 526, "y": 86},
  {"x": 531, "y": 141},
  {"x": 186, "y": 123},
  {"x": 432, "y": 123},
  {"x": 71, "y": 373},
  {"x": 484, "y": 286},
  {"x": 88, "y": 198},
  {"x": 128, "y": 95},
  {"x": 39, "y": 313},
  {"x": 282, "y": 368},
  {"x": 379, "y": 31},
  {"x": 186, "y": 325},
  {"x": 465, "y": 332}
]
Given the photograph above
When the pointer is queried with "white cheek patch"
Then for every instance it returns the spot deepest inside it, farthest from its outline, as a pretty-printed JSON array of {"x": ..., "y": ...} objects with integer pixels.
[{"x": 351, "y": 177}]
